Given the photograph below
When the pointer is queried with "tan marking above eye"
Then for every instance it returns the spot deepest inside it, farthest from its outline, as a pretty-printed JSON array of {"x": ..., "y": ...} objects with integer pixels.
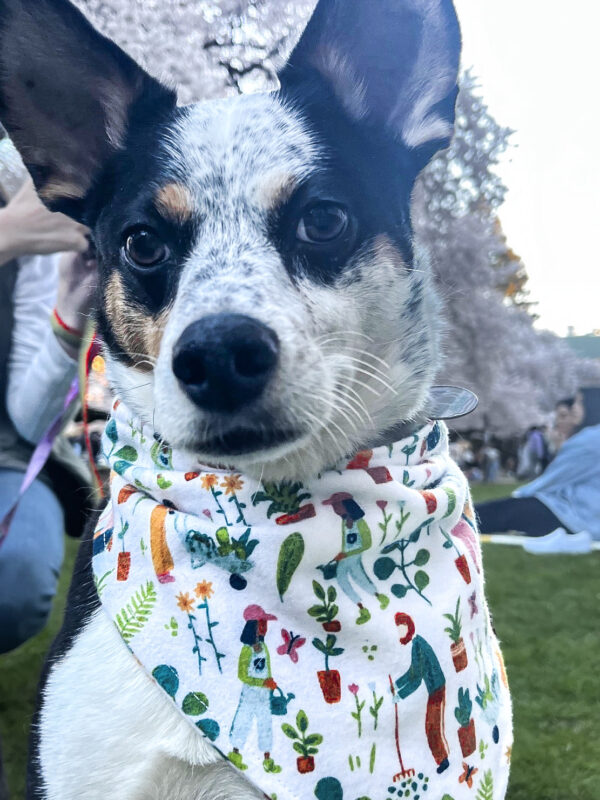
[
  {"x": 138, "y": 333},
  {"x": 273, "y": 189},
  {"x": 386, "y": 250},
  {"x": 175, "y": 202}
]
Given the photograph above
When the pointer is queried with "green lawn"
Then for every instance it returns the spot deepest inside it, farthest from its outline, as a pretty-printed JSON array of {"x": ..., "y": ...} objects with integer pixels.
[{"x": 546, "y": 615}]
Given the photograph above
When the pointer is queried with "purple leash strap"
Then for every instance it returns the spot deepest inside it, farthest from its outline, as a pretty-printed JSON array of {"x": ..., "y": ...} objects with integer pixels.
[{"x": 39, "y": 457}]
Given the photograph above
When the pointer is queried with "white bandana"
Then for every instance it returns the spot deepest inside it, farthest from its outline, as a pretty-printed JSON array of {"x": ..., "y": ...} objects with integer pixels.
[{"x": 358, "y": 596}]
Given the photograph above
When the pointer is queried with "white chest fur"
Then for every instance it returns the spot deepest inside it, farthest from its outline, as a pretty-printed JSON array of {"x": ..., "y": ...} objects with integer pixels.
[{"x": 107, "y": 730}]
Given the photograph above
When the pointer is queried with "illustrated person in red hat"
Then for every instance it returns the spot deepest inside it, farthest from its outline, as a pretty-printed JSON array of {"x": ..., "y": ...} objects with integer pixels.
[
  {"x": 356, "y": 538},
  {"x": 424, "y": 668},
  {"x": 254, "y": 670}
]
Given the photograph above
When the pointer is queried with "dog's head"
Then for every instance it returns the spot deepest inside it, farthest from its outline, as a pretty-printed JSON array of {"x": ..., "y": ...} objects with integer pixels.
[{"x": 262, "y": 300}]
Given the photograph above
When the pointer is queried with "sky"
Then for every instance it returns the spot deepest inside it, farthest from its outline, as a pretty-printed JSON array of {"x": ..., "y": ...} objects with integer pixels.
[{"x": 538, "y": 62}]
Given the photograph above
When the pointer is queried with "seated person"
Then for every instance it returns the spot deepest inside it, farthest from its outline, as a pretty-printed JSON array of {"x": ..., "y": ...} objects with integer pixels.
[
  {"x": 562, "y": 506},
  {"x": 37, "y": 367}
]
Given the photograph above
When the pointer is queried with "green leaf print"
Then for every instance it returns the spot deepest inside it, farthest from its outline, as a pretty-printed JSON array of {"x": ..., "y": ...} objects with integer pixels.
[
  {"x": 194, "y": 704},
  {"x": 111, "y": 431},
  {"x": 289, "y": 731},
  {"x": 302, "y": 721},
  {"x": 421, "y": 558},
  {"x": 167, "y": 678},
  {"x": 451, "y": 500},
  {"x": 421, "y": 580},
  {"x": 127, "y": 453},
  {"x": 210, "y": 728},
  {"x": 290, "y": 556},
  {"x": 486, "y": 786},
  {"x": 132, "y": 617}
]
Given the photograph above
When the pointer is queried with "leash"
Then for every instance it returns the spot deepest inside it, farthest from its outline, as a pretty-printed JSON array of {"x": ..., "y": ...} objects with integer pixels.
[{"x": 43, "y": 449}]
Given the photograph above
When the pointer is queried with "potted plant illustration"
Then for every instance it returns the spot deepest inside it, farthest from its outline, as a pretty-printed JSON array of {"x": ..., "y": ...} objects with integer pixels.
[
  {"x": 329, "y": 679},
  {"x": 304, "y": 744},
  {"x": 124, "y": 557},
  {"x": 285, "y": 499},
  {"x": 326, "y": 611},
  {"x": 466, "y": 731},
  {"x": 454, "y": 630}
]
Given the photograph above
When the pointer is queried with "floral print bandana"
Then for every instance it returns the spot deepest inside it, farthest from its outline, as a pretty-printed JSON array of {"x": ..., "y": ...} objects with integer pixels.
[{"x": 331, "y": 638}]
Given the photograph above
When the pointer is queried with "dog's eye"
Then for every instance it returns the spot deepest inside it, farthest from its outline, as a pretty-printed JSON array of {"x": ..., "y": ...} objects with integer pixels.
[
  {"x": 322, "y": 223},
  {"x": 144, "y": 248}
]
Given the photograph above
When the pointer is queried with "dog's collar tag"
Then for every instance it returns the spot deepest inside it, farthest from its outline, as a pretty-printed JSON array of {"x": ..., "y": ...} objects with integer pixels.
[{"x": 450, "y": 402}]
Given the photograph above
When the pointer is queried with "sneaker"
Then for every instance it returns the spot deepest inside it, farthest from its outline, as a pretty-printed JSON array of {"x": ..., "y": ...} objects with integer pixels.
[
  {"x": 384, "y": 601},
  {"x": 363, "y": 616},
  {"x": 237, "y": 760},
  {"x": 559, "y": 541},
  {"x": 269, "y": 765}
]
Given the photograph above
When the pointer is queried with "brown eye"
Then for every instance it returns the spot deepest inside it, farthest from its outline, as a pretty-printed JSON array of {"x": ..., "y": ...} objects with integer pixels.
[
  {"x": 322, "y": 223},
  {"x": 144, "y": 248}
]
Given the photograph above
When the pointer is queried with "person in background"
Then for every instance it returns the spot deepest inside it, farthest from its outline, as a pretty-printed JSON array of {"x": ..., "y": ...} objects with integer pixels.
[
  {"x": 560, "y": 508},
  {"x": 44, "y": 301}
]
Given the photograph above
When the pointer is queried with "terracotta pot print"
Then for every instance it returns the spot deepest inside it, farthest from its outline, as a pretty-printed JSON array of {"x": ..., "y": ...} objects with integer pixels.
[
  {"x": 459, "y": 655},
  {"x": 467, "y": 739},
  {"x": 123, "y": 565},
  {"x": 331, "y": 686},
  {"x": 304, "y": 512},
  {"x": 463, "y": 567},
  {"x": 332, "y": 627},
  {"x": 305, "y": 764}
]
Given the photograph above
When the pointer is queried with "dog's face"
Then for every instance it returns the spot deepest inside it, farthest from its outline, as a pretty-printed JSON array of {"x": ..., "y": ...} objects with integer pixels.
[{"x": 262, "y": 301}]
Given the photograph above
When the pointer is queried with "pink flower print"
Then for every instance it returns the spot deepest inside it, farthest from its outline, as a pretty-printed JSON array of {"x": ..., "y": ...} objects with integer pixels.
[
  {"x": 353, "y": 688},
  {"x": 207, "y": 513}
]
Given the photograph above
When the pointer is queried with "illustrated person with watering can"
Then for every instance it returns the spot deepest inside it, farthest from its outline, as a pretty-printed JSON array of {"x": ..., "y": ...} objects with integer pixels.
[
  {"x": 254, "y": 670},
  {"x": 356, "y": 539},
  {"x": 424, "y": 668}
]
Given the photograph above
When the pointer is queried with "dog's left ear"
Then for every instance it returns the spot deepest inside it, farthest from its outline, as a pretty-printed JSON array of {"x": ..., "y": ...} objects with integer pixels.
[{"x": 390, "y": 65}]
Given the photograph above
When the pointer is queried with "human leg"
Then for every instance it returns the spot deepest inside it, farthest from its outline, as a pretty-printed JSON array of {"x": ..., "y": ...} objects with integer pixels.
[
  {"x": 526, "y": 514},
  {"x": 30, "y": 559}
]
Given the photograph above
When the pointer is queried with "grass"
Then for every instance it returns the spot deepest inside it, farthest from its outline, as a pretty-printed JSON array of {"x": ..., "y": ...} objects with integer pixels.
[{"x": 546, "y": 615}]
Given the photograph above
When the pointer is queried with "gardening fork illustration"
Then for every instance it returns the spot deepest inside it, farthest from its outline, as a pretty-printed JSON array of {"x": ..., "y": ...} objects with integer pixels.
[{"x": 404, "y": 773}]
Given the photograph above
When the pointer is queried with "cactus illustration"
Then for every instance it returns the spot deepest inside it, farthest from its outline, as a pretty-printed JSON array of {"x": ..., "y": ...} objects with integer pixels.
[{"x": 466, "y": 731}]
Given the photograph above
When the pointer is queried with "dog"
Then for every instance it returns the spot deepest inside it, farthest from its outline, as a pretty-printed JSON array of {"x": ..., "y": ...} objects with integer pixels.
[{"x": 263, "y": 302}]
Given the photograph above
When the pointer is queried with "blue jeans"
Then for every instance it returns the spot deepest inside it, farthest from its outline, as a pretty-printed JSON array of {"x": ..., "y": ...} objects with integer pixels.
[{"x": 30, "y": 559}]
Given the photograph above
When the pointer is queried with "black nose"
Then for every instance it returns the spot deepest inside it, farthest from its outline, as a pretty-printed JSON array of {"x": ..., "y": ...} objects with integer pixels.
[{"x": 225, "y": 361}]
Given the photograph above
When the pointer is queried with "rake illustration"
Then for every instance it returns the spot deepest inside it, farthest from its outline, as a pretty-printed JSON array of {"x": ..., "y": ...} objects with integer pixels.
[{"x": 404, "y": 773}]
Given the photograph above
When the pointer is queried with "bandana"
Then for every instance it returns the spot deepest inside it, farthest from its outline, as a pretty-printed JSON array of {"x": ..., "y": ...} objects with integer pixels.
[{"x": 331, "y": 638}]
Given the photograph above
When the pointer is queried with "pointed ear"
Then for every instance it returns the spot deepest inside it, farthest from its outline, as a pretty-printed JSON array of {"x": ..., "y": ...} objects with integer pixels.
[
  {"x": 390, "y": 64},
  {"x": 67, "y": 96}
]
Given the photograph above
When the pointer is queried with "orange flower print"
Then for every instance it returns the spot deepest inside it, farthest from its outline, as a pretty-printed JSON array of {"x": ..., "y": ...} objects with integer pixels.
[
  {"x": 204, "y": 590},
  {"x": 208, "y": 481},
  {"x": 232, "y": 484},
  {"x": 185, "y": 602},
  {"x": 467, "y": 776}
]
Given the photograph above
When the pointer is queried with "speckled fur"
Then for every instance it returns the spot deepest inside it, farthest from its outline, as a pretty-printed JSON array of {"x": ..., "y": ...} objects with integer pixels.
[{"x": 228, "y": 154}]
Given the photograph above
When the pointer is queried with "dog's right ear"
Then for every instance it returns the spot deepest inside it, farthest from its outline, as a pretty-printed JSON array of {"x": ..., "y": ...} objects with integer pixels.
[{"x": 67, "y": 97}]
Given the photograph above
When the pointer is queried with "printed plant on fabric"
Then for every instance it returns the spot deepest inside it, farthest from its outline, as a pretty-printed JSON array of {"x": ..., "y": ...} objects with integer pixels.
[{"x": 275, "y": 616}]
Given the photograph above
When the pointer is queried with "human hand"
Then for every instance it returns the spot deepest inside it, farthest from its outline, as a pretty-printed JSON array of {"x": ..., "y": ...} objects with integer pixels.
[
  {"x": 270, "y": 684},
  {"x": 28, "y": 228},
  {"x": 77, "y": 283}
]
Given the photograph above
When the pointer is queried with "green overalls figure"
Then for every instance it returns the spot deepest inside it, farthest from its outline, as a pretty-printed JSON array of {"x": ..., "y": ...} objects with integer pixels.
[{"x": 356, "y": 539}]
